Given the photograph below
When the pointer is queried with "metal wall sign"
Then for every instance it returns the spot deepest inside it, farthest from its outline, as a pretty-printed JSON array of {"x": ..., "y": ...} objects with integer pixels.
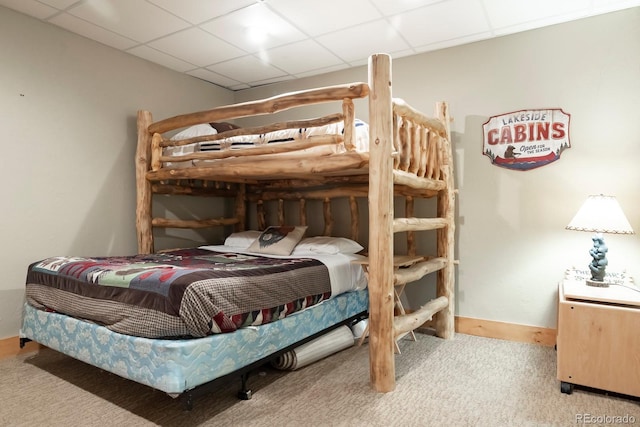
[{"x": 526, "y": 139}]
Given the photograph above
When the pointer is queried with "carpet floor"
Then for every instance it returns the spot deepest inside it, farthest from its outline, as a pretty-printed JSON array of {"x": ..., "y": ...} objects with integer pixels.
[{"x": 466, "y": 381}]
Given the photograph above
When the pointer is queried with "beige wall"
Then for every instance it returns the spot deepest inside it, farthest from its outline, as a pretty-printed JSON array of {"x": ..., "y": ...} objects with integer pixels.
[
  {"x": 511, "y": 241},
  {"x": 68, "y": 112}
]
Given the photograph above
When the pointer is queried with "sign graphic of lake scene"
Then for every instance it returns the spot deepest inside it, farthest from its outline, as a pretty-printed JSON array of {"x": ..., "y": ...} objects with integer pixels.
[{"x": 526, "y": 139}]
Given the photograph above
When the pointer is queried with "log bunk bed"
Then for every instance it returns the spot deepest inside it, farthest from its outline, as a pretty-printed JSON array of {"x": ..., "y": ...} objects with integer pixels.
[{"x": 408, "y": 156}]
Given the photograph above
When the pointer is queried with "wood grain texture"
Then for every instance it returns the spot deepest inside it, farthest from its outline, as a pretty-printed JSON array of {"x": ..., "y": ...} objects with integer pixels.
[
  {"x": 264, "y": 106},
  {"x": 598, "y": 342},
  {"x": 445, "y": 287},
  {"x": 143, "y": 186},
  {"x": 505, "y": 331},
  {"x": 10, "y": 347}
]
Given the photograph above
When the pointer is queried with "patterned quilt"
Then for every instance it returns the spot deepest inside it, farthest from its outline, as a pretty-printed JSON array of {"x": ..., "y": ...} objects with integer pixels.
[{"x": 183, "y": 293}]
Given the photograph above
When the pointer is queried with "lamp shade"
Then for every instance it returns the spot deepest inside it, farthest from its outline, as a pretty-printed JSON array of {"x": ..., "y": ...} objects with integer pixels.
[{"x": 601, "y": 214}]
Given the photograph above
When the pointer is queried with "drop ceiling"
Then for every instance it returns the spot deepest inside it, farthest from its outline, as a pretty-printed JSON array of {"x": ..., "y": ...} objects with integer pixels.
[{"x": 239, "y": 44}]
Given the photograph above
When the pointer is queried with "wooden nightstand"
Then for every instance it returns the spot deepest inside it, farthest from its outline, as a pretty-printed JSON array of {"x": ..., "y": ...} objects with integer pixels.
[{"x": 598, "y": 339}]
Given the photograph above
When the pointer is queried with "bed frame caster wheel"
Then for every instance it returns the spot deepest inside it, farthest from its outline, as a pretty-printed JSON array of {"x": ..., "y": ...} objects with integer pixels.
[
  {"x": 566, "y": 388},
  {"x": 244, "y": 394}
]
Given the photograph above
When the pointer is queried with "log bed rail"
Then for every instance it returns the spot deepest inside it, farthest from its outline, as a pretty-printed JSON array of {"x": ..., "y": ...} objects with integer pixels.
[{"x": 409, "y": 155}]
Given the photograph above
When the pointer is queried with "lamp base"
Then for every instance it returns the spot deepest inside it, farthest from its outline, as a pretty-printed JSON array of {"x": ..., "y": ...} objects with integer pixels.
[{"x": 596, "y": 283}]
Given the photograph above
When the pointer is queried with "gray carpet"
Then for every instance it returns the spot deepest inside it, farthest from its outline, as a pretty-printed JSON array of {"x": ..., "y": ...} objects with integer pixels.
[{"x": 467, "y": 381}]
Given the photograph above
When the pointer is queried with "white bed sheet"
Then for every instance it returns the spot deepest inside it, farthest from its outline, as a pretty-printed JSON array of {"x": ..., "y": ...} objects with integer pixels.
[{"x": 344, "y": 274}]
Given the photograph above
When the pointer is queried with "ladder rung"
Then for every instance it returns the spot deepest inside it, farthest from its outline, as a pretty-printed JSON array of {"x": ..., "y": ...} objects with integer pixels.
[
  {"x": 418, "y": 270},
  {"x": 418, "y": 224}
]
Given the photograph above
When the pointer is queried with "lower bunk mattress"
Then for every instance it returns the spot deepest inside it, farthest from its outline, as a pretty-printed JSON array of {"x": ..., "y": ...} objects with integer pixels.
[
  {"x": 178, "y": 365},
  {"x": 187, "y": 293}
]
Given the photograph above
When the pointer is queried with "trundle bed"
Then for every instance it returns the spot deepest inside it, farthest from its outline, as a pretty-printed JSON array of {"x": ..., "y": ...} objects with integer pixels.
[{"x": 106, "y": 311}]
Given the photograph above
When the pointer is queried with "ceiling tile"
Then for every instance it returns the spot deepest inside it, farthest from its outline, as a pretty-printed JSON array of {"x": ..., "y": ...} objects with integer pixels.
[
  {"x": 432, "y": 24},
  {"x": 604, "y": 6},
  {"x": 392, "y": 7},
  {"x": 532, "y": 25},
  {"x": 197, "y": 47},
  {"x": 135, "y": 19},
  {"x": 30, "y": 7},
  {"x": 301, "y": 57},
  {"x": 246, "y": 69},
  {"x": 161, "y": 58},
  {"x": 59, "y": 4},
  {"x": 240, "y": 86},
  {"x": 321, "y": 17},
  {"x": 253, "y": 28},
  {"x": 84, "y": 28},
  {"x": 323, "y": 70},
  {"x": 197, "y": 11},
  {"x": 273, "y": 80},
  {"x": 454, "y": 42},
  {"x": 207, "y": 39},
  {"x": 215, "y": 78},
  {"x": 505, "y": 13},
  {"x": 364, "y": 40},
  {"x": 398, "y": 54}
]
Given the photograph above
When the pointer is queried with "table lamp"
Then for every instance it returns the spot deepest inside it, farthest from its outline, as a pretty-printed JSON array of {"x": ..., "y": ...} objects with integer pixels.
[{"x": 600, "y": 214}]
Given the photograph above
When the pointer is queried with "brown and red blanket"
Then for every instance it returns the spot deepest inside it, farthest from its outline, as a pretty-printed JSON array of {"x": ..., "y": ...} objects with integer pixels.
[{"x": 182, "y": 293}]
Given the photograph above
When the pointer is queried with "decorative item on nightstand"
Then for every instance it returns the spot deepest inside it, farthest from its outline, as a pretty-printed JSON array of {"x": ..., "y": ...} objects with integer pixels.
[{"x": 600, "y": 214}]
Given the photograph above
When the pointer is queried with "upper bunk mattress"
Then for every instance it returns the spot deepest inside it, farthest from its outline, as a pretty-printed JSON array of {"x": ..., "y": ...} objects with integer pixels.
[
  {"x": 182, "y": 293},
  {"x": 361, "y": 141}
]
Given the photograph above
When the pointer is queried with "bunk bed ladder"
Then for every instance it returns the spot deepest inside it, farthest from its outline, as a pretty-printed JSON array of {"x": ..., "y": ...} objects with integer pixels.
[{"x": 386, "y": 271}]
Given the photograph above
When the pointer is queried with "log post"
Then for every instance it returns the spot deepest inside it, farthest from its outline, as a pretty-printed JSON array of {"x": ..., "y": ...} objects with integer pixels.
[
  {"x": 381, "y": 292},
  {"x": 405, "y": 143},
  {"x": 303, "y": 212},
  {"x": 409, "y": 213},
  {"x": 144, "y": 227},
  {"x": 424, "y": 145},
  {"x": 355, "y": 221},
  {"x": 396, "y": 139},
  {"x": 281, "y": 221},
  {"x": 415, "y": 149},
  {"x": 432, "y": 155},
  {"x": 349, "y": 124},
  {"x": 261, "y": 216},
  {"x": 446, "y": 209},
  {"x": 328, "y": 218},
  {"x": 241, "y": 207},
  {"x": 156, "y": 152}
]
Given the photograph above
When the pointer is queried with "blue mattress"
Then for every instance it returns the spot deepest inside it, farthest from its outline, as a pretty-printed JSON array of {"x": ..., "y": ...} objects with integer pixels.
[{"x": 175, "y": 366}]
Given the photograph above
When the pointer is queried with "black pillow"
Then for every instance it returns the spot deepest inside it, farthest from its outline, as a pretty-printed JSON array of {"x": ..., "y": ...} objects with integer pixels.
[{"x": 223, "y": 126}]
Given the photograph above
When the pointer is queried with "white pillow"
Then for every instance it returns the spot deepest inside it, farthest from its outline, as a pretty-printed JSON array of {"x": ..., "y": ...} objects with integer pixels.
[
  {"x": 327, "y": 245},
  {"x": 242, "y": 239},
  {"x": 190, "y": 132},
  {"x": 195, "y": 130}
]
